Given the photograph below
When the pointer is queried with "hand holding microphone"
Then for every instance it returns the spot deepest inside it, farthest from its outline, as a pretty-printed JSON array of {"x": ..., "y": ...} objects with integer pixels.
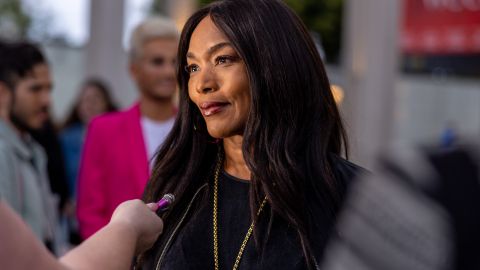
[
  {"x": 133, "y": 228},
  {"x": 144, "y": 220}
]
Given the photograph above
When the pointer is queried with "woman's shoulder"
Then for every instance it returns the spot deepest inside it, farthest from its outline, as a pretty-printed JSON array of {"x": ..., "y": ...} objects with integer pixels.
[{"x": 345, "y": 170}]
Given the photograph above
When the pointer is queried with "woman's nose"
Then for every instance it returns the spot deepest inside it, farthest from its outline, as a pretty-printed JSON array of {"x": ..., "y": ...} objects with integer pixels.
[{"x": 205, "y": 81}]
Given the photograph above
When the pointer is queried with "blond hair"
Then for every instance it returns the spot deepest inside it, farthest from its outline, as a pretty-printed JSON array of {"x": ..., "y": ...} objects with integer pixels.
[{"x": 149, "y": 29}]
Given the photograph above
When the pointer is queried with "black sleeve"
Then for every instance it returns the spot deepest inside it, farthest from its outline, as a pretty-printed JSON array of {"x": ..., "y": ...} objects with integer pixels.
[{"x": 48, "y": 139}]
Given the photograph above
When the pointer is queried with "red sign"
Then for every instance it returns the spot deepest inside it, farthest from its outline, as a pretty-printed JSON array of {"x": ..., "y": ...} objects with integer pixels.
[{"x": 441, "y": 27}]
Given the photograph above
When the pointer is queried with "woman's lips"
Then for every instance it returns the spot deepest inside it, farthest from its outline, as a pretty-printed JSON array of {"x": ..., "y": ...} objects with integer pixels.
[{"x": 211, "y": 108}]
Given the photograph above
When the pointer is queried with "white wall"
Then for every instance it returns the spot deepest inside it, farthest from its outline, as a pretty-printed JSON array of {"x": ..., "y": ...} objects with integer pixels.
[
  {"x": 426, "y": 105},
  {"x": 67, "y": 66}
]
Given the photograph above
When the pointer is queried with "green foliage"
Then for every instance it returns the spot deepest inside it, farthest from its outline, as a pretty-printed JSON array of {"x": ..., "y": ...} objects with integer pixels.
[
  {"x": 321, "y": 16},
  {"x": 325, "y": 18},
  {"x": 204, "y": 2},
  {"x": 12, "y": 10}
]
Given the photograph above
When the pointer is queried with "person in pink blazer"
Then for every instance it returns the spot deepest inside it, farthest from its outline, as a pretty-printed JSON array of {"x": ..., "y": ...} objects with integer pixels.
[{"x": 119, "y": 147}]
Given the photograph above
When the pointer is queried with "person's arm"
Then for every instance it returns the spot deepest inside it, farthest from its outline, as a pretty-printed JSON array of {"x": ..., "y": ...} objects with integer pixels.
[
  {"x": 91, "y": 196},
  {"x": 134, "y": 227},
  {"x": 19, "y": 248}
]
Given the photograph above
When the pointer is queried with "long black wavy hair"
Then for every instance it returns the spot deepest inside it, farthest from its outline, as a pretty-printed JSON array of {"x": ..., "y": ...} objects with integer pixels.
[{"x": 292, "y": 127}]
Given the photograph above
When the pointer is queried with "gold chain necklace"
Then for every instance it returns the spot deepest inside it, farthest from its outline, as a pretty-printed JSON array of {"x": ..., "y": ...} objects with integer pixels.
[{"x": 215, "y": 227}]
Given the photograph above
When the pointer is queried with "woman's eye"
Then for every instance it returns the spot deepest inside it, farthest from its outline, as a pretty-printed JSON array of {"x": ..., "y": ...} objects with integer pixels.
[
  {"x": 191, "y": 68},
  {"x": 224, "y": 59}
]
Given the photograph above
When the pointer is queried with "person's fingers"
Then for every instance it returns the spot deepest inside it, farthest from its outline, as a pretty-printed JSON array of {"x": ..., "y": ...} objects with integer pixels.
[{"x": 152, "y": 206}]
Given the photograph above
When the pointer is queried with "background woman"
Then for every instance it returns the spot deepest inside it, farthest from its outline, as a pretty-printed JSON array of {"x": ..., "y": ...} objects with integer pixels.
[{"x": 94, "y": 99}]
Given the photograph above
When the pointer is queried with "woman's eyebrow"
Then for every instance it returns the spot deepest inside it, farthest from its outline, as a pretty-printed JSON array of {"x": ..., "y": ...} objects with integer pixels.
[
  {"x": 211, "y": 50},
  {"x": 217, "y": 47}
]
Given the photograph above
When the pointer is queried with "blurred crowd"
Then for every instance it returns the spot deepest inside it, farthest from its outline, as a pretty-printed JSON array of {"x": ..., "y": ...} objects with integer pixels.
[{"x": 65, "y": 179}]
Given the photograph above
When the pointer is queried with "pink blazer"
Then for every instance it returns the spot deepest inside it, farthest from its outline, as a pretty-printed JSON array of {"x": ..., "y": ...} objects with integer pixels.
[{"x": 113, "y": 169}]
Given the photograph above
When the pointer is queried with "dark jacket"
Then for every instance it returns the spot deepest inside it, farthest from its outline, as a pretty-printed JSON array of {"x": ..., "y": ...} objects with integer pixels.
[{"x": 344, "y": 172}]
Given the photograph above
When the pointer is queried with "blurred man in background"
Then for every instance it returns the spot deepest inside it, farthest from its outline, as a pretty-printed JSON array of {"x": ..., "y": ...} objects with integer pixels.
[
  {"x": 119, "y": 146},
  {"x": 25, "y": 87}
]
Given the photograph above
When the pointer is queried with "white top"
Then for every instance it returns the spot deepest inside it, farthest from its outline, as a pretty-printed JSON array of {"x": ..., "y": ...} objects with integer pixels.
[{"x": 154, "y": 133}]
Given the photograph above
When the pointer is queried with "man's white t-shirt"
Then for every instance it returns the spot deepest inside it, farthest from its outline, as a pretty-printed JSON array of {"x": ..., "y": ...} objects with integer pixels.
[{"x": 154, "y": 134}]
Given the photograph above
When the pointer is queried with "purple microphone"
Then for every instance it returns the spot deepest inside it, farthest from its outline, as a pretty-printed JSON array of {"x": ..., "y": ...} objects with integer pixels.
[{"x": 165, "y": 202}]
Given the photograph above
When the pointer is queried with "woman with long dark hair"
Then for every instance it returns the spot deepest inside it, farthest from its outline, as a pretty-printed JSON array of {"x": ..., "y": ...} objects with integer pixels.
[
  {"x": 94, "y": 99},
  {"x": 253, "y": 158}
]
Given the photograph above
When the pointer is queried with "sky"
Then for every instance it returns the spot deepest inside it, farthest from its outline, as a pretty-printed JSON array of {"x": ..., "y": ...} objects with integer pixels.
[{"x": 70, "y": 18}]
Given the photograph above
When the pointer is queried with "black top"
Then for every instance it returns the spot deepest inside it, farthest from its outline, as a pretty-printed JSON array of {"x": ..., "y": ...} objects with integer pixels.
[
  {"x": 193, "y": 249},
  {"x": 57, "y": 175},
  {"x": 192, "y": 245}
]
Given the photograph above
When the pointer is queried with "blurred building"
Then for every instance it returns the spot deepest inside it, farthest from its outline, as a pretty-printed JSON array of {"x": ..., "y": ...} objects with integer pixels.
[
  {"x": 384, "y": 105},
  {"x": 410, "y": 69}
]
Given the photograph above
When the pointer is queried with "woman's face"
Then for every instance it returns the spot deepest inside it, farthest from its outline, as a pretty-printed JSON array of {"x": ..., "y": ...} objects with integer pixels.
[
  {"x": 92, "y": 103},
  {"x": 218, "y": 82}
]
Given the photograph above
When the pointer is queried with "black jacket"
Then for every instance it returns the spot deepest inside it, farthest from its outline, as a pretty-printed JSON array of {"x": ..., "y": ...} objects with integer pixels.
[{"x": 289, "y": 251}]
